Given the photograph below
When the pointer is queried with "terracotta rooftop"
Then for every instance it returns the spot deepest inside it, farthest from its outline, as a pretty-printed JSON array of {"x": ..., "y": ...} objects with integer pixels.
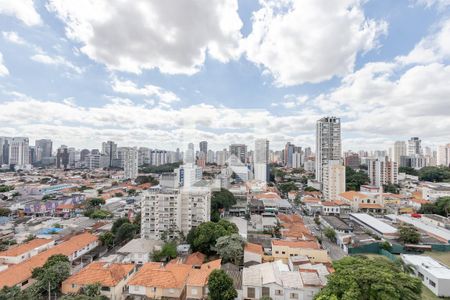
[
  {"x": 254, "y": 248},
  {"x": 104, "y": 273},
  {"x": 195, "y": 259},
  {"x": 26, "y": 247},
  {"x": 18, "y": 273},
  {"x": 199, "y": 277},
  {"x": 370, "y": 205},
  {"x": 350, "y": 195},
  {"x": 153, "y": 275},
  {"x": 268, "y": 195},
  {"x": 296, "y": 244}
]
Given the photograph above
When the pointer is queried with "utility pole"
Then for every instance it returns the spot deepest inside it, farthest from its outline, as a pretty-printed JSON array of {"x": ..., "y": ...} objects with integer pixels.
[{"x": 49, "y": 293}]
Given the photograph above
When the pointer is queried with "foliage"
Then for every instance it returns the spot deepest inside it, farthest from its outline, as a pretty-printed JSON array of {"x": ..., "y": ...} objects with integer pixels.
[
  {"x": 132, "y": 192},
  {"x": 204, "y": 237},
  {"x": 4, "y": 212},
  {"x": 119, "y": 194},
  {"x": 159, "y": 169},
  {"x": 386, "y": 246},
  {"x": 330, "y": 233},
  {"x": 220, "y": 286},
  {"x": 107, "y": 239},
  {"x": 15, "y": 293},
  {"x": 6, "y": 188},
  {"x": 354, "y": 179},
  {"x": 222, "y": 199},
  {"x": 146, "y": 179},
  {"x": 51, "y": 274},
  {"x": 440, "y": 207},
  {"x": 391, "y": 188},
  {"x": 310, "y": 189},
  {"x": 172, "y": 234},
  {"x": 361, "y": 278},
  {"x": 97, "y": 214},
  {"x": 409, "y": 234},
  {"x": 168, "y": 252},
  {"x": 96, "y": 203},
  {"x": 30, "y": 237},
  {"x": 287, "y": 187},
  {"x": 231, "y": 248},
  {"x": 408, "y": 170},
  {"x": 434, "y": 174},
  {"x": 125, "y": 232},
  {"x": 48, "y": 197},
  {"x": 317, "y": 220},
  {"x": 137, "y": 222},
  {"x": 92, "y": 290},
  {"x": 117, "y": 223}
]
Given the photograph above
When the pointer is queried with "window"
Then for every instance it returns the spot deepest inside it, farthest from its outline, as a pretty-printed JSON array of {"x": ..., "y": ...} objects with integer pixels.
[
  {"x": 194, "y": 291},
  {"x": 293, "y": 296},
  {"x": 25, "y": 282},
  {"x": 105, "y": 288},
  {"x": 279, "y": 292},
  {"x": 265, "y": 291},
  {"x": 276, "y": 252},
  {"x": 432, "y": 283},
  {"x": 282, "y": 252},
  {"x": 420, "y": 275},
  {"x": 251, "y": 292},
  {"x": 171, "y": 291},
  {"x": 74, "y": 285}
]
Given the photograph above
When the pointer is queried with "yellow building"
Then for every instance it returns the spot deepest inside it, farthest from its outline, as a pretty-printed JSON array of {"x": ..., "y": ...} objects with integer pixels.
[{"x": 282, "y": 250}]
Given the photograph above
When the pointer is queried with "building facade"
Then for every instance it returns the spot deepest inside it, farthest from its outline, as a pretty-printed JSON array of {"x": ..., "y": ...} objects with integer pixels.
[{"x": 328, "y": 143}]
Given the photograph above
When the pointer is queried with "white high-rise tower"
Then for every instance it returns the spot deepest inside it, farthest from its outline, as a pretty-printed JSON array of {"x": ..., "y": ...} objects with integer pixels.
[
  {"x": 261, "y": 160},
  {"x": 328, "y": 143}
]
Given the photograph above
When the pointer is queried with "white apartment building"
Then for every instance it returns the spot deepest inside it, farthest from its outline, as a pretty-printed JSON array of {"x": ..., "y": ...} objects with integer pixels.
[
  {"x": 434, "y": 275},
  {"x": 414, "y": 146},
  {"x": 19, "y": 151},
  {"x": 399, "y": 150},
  {"x": 328, "y": 143},
  {"x": 261, "y": 160},
  {"x": 297, "y": 160},
  {"x": 180, "y": 209},
  {"x": 443, "y": 155},
  {"x": 333, "y": 179},
  {"x": 130, "y": 163},
  {"x": 382, "y": 171},
  {"x": 188, "y": 174}
]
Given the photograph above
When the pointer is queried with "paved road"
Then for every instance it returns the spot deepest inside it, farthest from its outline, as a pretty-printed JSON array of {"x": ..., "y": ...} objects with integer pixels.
[{"x": 333, "y": 249}]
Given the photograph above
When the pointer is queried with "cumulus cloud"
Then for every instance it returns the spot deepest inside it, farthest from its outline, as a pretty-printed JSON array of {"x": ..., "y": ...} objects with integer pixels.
[
  {"x": 3, "y": 69},
  {"x": 56, "y": 61},
  {"x": 433, "y": 48},
  {"x": 172, "y": 36},
  {"x": 13, "y": 37},
  {"x": 129, "y": 87},
  {"x": 21, "y": 9},
  {"x": 310, "y": 40}
]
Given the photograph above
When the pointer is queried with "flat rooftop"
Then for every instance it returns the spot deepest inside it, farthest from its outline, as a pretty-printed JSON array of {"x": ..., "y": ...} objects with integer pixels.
[
  {"x": 428, "y": 228},
  {"x": 374, "y": 223},
  {"x": 435, "y": 268}
]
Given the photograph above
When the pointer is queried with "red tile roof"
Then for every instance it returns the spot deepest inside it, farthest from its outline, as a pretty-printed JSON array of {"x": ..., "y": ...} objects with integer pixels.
[
  {"x": 104, "y": 273},
  {"x": 24, "y": 248}
]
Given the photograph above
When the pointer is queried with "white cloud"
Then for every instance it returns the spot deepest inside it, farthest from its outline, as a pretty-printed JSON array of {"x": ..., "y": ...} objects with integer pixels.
[
  {"x": 310, "y": 40},
  {"x": 433, "y": 48},
  {"x": 439, "y": 3},
  {"x": 129, "y": 87},
  {"x": 3, "y": 69},
  {"x": 22, "y": 9},
  {"x": 173, "y": 36},
  {"x": 56, "y": 61},
  {"x": 13, "y": 37}
]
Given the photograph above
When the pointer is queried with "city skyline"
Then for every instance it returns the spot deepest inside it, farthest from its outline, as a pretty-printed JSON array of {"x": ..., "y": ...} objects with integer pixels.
[{"x": 388, "y": 81}]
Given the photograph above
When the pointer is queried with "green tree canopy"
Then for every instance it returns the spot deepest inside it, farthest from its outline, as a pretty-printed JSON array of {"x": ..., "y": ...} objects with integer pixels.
[
  {"x": 107, "y": 239},
  {"x": 55, "y": 270},
  {"x": 117, "y": 223},
  {"x": 408, "y": 234},
  {"x": 125, "y": 232},
  {"x": 440, "y": 207},
  {"x": 434, "y": 174},
  {"x": 354, "y": 179},
  {"x": 231, "y": 248},
  {"x": 330, "y": 233},
  {"x": 361, "y": 278},
  {"x": 168, "y": 252},
  {"x": 222, "y": 199},
  {"x": 204, "y": 237},
  {"x": 408, "y": 170},
  {"x": 146, "y": 179},
  {"x": 220, "y": 286},
  {"x": 287, "y": 187},
  {"x": 4, "y": 212}
]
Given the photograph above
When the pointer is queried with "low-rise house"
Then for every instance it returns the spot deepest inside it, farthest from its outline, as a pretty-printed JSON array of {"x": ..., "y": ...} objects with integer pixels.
[
  {"x": 336, "y": 223},
  {"x": 138, "y": 251},
  {"x": 335, "y": 208},
  {"x": 155, "y": 281},
  {"x": 112, "y": 278},
  {"x": 20, "y": 253},
  {"x": 283, "y": 250},
  {"x": 73, "y": 248},
  {"x": 197, "y": 281},
  {"x": 361, "y": 202},
  {"x": 253, "y": 253},
  {"x": 434, "y": 275},
  {"x": 312, "y": 205},
  {"x": 277, "y": 281}
]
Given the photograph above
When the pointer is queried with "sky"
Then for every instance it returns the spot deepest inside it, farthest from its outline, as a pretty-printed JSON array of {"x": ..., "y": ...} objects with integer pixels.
[{"x": 162, "y": 74}]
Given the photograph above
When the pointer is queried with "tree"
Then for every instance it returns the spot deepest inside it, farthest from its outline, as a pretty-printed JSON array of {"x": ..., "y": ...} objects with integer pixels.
[
  {"x": 6, "y": 188},
  {"x": 4, "y": 212},
  {"x": 231, "y": 248},
  {"x": 409, "y": 234},
  {"x": 30, "y": 237},
  {"x": 168, "y": 252},
  {"x": 220, "y": 286},
  {"x": 361, "y": 278},
  {"x": 50, "y": 276},
  {"x": 287, "y": 187},
  {"x": 354, "y": 179},
  {"x": 96, "y": 203},
  {"x": 125, "y": 232},
  {"x": 408, "y": 170},
  {"x": 92, "y": 290},
  {"x": 117, "y": 223},
  {"x": 204, "y": 237},
  {"x": 146, "y": 179},
  {"x": 310, "y": 189},
  {"x": 222, "y": 199},
  {"x": 330, "y": 233},
  {"x": 434, "y": 174},
  {"x": 107, "y": 239},
  {"x": 440, "y": 207},
  {"x": 391, "y": 188},
  {"x": 97, "y": 214}
]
